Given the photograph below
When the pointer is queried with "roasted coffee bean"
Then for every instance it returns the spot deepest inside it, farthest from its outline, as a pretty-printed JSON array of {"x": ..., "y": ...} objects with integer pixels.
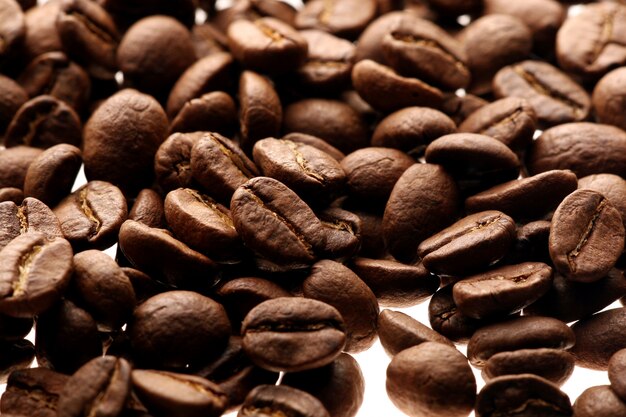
[
  {"x": 492, "y": 42},
  {"x": 399, "y": 331},
  {"x": 34, "y": 272},
  {"x": 552, "y": 364},
  {"x": 211, "y": 112},
  {"x": 526, "y": 198},
  {"x": 159, "y": 254},
  {"x": 143, "y": 285},
  {"x": 13, "y": 28},
  {"x": 254, "y": 9},
  {"x": 51, "y": 175},
  {"x": 472, "y": 243},
  {"x": 344, "y": 18},
  {"x": 13, "y": 97},
  {"x": 148, "y": 209},
  {"x": 411, "y": 129},
  {"x": 458, "y": 108},
  {"x": 600, "y": 48},
  {"x": 598, "y": 337},
  {"x": 127, "y": 114},
  {"x": 519, "y": 333},
  {"x": 14, "y": 163},
  {"x": 338, "y": 286},
  {"x": 34, "y": 392},
  {"x": 89, "y": 35},
  {"x": 376, "y": 83},
  {"x": 13, "y": 194},
  {"x": 267, "y": 45},
  {"x": 41, "y": 32},
  {"x": 14, "y": 329},
  {"x": 281, "y": 400},
  {"x": 611, "y": 186},
  {"x": 522, "y": 395},
  {"x": 423, "y": 50},
  {"x": 66, "y": 338},
  {"x": 220, "y": 166},
  {"x": 208, "y": 39},
  {"x": 178, "y": 395},
  {"x": 339, "y": 386},
  {"x": 30, "y": 216},
  {"x": 315, "y": 142},
  {"x": 172, "y": 162},
  {"x": 293, "y": 334},
  {"x": 128, "y": 11},
  {"x": 437, "y": 370},
  {"x": 15, "y": 356},
  {"x": 205, "y": 75},
  {"x": 586, "y": 236},
  {"x": 510, "y": 120},
  {"x": 424, "y": 200},
  {"x": 369, "y": 44},
  {"x": 475, "y": 161},
  {"x": 161, "y": 322},
  {"x": 445, "y": 317},
  {"x": 313, "y": 174},
  {"x": 617, "y": 373},
  {"x": 293, "y": 235},
  {"x": 203, "y": 224},
  {"x": 607, "y": 96},
  {"x": 101, "y": 386},
  {"x": 600, "y": 401},
  {"x": 42, "y": 122},
  {"x": 396, "y": 284},
  {"x": 103, "y": 289},
  {"x": 331, "y": 120},
  {"x": 261, "y": 113},
  {"x": 503, "y": 290},
  {"x": 584, "y": 148},
  {"x": 92, "y": 215}
]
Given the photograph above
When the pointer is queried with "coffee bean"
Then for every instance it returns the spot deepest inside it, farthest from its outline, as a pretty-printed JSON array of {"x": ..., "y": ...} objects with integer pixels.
[
  {"x": 211, "y": 112},
  {"x": 344, "y": 18},
  {"x": 13, "y": 96},
  {"x": 293, "y": 334},
  {"x": 143, "y": 285},
  {"x": 472, "y": 243},
  {"x": 617, "y": 373},
  {"x": 445, "y": 317},
  {"x": 554, "y": 96},
  {"x": 186, "y": 395},
  {"x": 127, "y": 12},
  {"x": 281, "y": 400},
  {"x": 598, "y": 337},
  {"x": 611, "y": 186},
  {"x": 607, "y": 97},
  {"x": 12, "y": 194},
  {"x": 172, "y": 162},
  {"x": 599, "y": 401},
  {"x": 458, "y": 108},
  {"x": 14, "y": 163},
  {"x": 100, "y": 386},
  {"x": 399, "y": 331},
  {"x": 15, "y": 356},
  {"x": 92, "y": 215},
  {"x": 519, "y": 333},
  {"x": 506, "y": 395},
  {"x": 586, "y": 236},
  {"x": 148, "y": 209},
  {"x": 254, "y": 9},
  {"x": 437, "y": 370},
  {"x": 12, "y": 29},
  {"x": 41, "y": 32},
  {"x": 260, "y": 113},
  {"x": 33, "y": 392},
  {"x": 552, "y": 364},
  {"x": 161, "y": 322},
  {"x": 315, "y": 142},
  {"x": 31, "y": 216}
]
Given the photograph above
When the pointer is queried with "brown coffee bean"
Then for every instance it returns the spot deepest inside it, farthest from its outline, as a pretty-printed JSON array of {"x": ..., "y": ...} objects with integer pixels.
[
  {"x": 552, "y": 364},
  {"x": 35, "y": 271},
  {"x": 315, "y": 142},
  {"x": 15, "y": 356},
  {"x": 396, "y": 284},
  {"x": 254, "y": 9},
  {"x": 100, "y": 386},
  {"x": 172, "y": 162},
  {"x": 617, "y": 373},
  {"x": 423, "y": 201},
  {"x": 293, "y": 334},
  {"x": 212, "y": 112},
  {"x": 369, "y": 44},
  {"x": 598, "y": 337},
  {"x": 586, "y": 236},
  {"x": 261, "y": 113},
  {"x": 50, "y": 177},
  {"x": 472, "y": 243},
  {"x": 599, "y": 401},
  {"x": 338, "y": 286},
  {"x": 33, "y": 392},
  {"x": 128, "y": 11},
  {"x": 519, "y": 333},
  {"x": 611, "y": 186},
  {"x": 607, "y": 97},
  {"x": 281, "y": 400},
  {"x": 42, "y": 122},
  {"x": 568, "y": 147},
  {"x": 447, "y": 319},
  {"x": 11, "y": 194},
  {"x": 376, "y": 83},
  {"x": 123, "y": 115},
  {"x": 161, "y": 322},
  {"x": 411, "y": 129},
  {"x": 148, "y": 209},
  {"x": 458, "y": 108},
  {"x": 344, "y": 18},
  {"x": 554, "y": 96},
  {"x": 30, "y": 216},
  {"x": 178, "y": 395},
  {"x": 531, "y": 244},
  {"x": 92, "y": 215},
  {"x": 437, "y": 370},
  {"x": 12, "y": 29},
  {"x": 535, "y": 396},
  {"x": 41, "y": 32},
  {"x": 343, "y": 233},
  {"x": 14, "y": 163},
  {"x": 13, "y": 97},
  {"x": 399, "y": 331}
]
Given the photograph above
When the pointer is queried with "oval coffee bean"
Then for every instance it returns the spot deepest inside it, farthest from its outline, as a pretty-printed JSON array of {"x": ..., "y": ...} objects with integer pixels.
[
  {"x": 34, "y": 272},
  {"x": 212, "y": 112},
  {"x": 100, "y": 387},
  {"x": 599, "y": 401},
  {"x": 172, "y": 162},
  {"x": 30, "y": 216},
  {"x": 178, "y": 395},
  {"x": 344, "y": 18},
  {"x": 343, "y": 233},
  {"x": 14, "y": 163},
  {"x": 316, "y": 142},
  {"x": 518, "y": 333},
  {"x": 12, "y": 194},
  {"x": 533, "y": 395},
  {"x": 611, "y": 186},
  {"x": 598, "y": 337},
  {"x": 399, "y": 331},
  {"x": 552, "y": 364},
  {"x": 586, "y": 236},
  {"x": 261, "y": 113},
  {"x": 148, "y": 209},
  {"x": 293, "y": 334},
  {"x": 281, "y": 400},
  {"x": 472, "y": 243},
  {"x": 503, "y": 290},
  {"x": 617, "y": 373},
  {"x": 15, "y": 356},
  {"x": 34, "y": 390},
  {"x": 421, "y": 378},
  {"x": 607, "y": 96}
]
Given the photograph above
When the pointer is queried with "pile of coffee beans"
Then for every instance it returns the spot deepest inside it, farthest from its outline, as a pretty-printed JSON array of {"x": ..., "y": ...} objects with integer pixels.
[{"x": 269, "y": 175}]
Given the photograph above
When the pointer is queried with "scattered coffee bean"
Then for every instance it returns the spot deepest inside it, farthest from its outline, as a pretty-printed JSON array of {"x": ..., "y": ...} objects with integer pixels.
[
  {"x": 552, "y": 364},
  {"x": 281, "y": 400}
]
